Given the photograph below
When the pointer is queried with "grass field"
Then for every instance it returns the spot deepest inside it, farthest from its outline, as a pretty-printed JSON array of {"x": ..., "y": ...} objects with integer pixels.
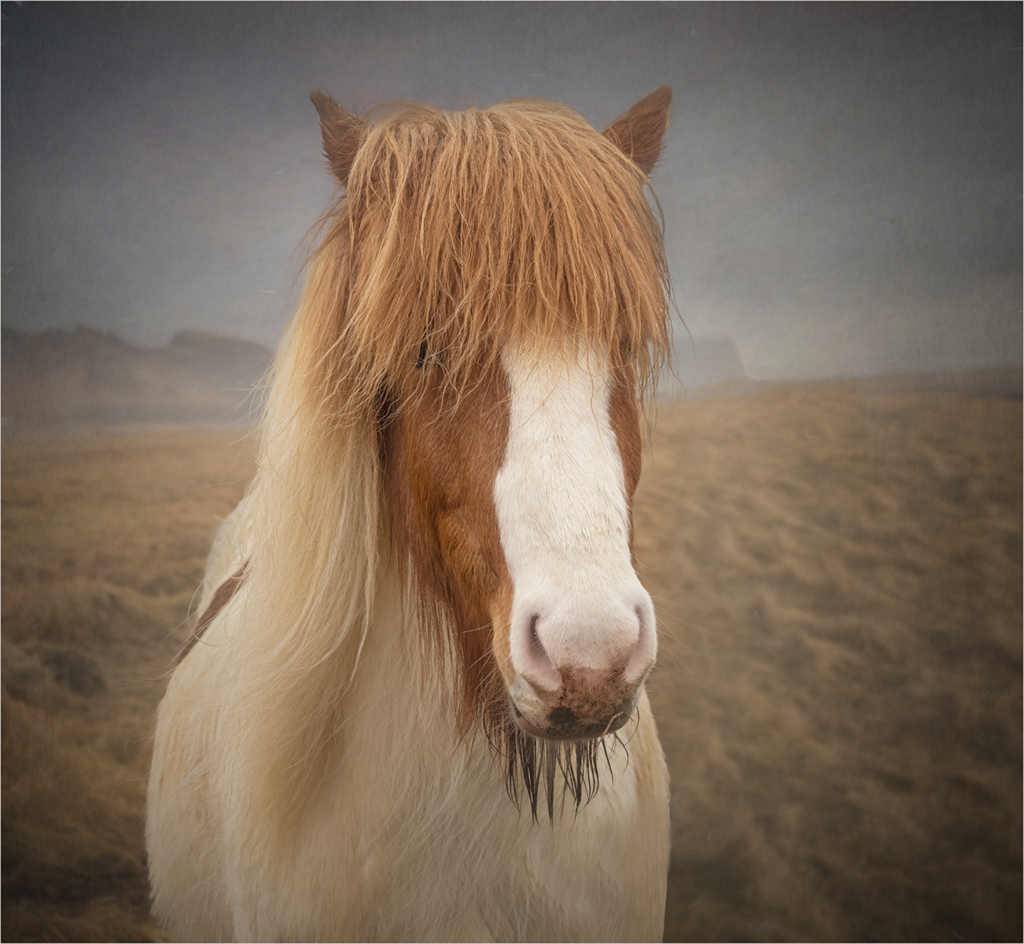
[{"x": 838, "y": 574}]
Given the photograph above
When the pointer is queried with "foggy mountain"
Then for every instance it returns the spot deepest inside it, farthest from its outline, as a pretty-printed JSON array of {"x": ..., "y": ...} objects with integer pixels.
[
  {"x": 85, "y": 376},
  {"x": 82, "y": 376},
  {"x": 707, "y": 362}
]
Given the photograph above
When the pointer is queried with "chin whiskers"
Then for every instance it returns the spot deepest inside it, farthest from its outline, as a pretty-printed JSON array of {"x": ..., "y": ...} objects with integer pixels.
[{"x": 534, "y": 766}]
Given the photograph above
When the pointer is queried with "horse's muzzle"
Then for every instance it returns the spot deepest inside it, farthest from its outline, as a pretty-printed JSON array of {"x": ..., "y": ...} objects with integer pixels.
[
  {"x": 586, "y": 704},
  {"x": 564, "y": 725}
]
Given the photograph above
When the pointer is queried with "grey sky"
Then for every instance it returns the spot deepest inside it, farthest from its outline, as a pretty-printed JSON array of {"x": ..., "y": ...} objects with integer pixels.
[{"x": 841, "y": 184}]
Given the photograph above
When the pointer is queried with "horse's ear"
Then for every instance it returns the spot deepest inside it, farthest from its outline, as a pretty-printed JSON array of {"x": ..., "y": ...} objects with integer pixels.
[
  {"x": 341, "y": 133},
  {"x": 639, "y": 132}
]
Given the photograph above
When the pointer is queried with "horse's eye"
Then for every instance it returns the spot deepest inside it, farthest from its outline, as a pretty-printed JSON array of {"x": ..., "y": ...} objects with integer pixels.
[
  {"x": 426, "y": 358},
  {"x": 421, "y": 357}
]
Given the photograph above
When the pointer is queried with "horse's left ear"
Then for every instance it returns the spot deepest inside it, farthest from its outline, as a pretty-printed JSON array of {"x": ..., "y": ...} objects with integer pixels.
[
  {"x": 639, "y": 132},
  {"x": 341, "y": 133}
]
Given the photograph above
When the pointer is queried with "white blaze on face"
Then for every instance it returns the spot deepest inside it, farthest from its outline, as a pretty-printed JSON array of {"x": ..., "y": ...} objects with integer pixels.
[{"x": 563, "y": 516}]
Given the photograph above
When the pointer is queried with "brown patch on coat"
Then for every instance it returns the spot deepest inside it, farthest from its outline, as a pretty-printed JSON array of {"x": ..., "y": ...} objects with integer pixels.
[
  {"x": 220, "y": 599},
  {"x": 624, "y": 415},
  {"x": 440, "y": 454}
]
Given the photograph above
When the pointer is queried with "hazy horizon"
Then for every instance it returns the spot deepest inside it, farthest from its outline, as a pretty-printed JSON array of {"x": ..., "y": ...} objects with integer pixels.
[{"x": 841, "y": 184}]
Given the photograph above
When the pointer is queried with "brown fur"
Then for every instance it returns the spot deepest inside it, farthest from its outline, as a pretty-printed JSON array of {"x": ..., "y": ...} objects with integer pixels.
[
  {"x": 639, "y": 132},
  {"x": 625, "y": 418},
  {"x": 439, "y": 460},
  {"x": 341, "y": 132}
]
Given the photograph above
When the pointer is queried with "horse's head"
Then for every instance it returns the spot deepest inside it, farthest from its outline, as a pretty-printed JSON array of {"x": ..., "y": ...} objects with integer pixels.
[{"x": 502, "y": 296}]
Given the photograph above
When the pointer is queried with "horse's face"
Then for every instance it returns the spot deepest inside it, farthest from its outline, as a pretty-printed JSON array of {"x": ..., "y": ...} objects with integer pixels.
[
  {"x": 509, "y": 465},
  {"x": 515, "y": 503}
]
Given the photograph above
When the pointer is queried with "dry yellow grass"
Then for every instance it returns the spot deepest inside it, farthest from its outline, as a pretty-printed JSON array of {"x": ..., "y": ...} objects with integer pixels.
[
  {"x": 104, "y": 539},
  {"x": 839, "y": 690}
]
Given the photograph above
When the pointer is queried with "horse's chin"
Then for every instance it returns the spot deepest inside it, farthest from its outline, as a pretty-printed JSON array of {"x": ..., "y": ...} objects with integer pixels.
[{"x": 563, "y": 725}]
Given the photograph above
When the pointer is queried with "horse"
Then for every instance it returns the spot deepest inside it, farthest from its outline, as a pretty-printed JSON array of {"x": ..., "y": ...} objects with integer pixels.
[{"x": 413, "y": 707}]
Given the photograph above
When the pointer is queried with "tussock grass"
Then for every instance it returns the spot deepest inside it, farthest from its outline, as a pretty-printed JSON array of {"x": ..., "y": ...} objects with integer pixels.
[{"x": 104, "y": 540}]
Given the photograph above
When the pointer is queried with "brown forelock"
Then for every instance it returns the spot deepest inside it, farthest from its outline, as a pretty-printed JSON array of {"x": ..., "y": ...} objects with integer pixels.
[
  {"x": 468, "y": 230},
  {"x": 440, "y": 453}
]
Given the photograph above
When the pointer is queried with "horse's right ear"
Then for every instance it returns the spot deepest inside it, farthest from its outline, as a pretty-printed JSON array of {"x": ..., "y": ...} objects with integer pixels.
[
  {"x": 639, "y": 132},
  {"x": 341, "y": 133}
]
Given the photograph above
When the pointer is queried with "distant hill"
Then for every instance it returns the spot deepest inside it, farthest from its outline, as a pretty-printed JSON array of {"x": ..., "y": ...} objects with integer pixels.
[
  {"x": 84, "y": 376},
  {"x": 708, "y": 362},
  {"x": 708, "y": 367}
]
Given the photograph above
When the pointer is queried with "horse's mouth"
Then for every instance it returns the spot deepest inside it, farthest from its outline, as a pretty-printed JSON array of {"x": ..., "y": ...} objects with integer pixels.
[{"x": 564, "y": 725}]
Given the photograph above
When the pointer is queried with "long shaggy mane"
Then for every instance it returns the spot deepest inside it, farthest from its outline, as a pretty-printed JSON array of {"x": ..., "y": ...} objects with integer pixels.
[{"x": 457, "y": 232}]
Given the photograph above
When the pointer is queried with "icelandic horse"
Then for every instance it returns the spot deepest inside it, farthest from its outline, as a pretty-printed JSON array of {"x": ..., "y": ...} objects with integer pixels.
[{"x": 422, "y": 623}]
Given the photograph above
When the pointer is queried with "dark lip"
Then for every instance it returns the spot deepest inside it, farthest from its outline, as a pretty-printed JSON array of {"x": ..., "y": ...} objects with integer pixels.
[{"x": 577, "y": 731}]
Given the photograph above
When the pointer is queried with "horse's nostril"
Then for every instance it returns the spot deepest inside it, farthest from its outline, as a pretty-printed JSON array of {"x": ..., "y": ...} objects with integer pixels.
[
  {"x": 539, "y": 671},
  {"x": 536, "y": 646},
  {"x": 642, "y": 658}
]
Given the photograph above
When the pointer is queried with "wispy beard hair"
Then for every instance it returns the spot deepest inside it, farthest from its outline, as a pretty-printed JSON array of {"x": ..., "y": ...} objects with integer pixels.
[{"x": 533, "y": 765}]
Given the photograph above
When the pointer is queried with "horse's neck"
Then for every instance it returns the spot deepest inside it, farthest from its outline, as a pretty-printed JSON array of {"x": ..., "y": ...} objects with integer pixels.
[{"x": 410, "y": 825}]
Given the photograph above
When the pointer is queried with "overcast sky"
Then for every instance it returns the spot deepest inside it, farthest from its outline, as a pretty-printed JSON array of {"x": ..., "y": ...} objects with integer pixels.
[{"x": 841, "y": 184}]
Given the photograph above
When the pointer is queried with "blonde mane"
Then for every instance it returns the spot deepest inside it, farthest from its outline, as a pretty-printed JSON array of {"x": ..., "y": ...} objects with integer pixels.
[{"x": 458, "y": 232}]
